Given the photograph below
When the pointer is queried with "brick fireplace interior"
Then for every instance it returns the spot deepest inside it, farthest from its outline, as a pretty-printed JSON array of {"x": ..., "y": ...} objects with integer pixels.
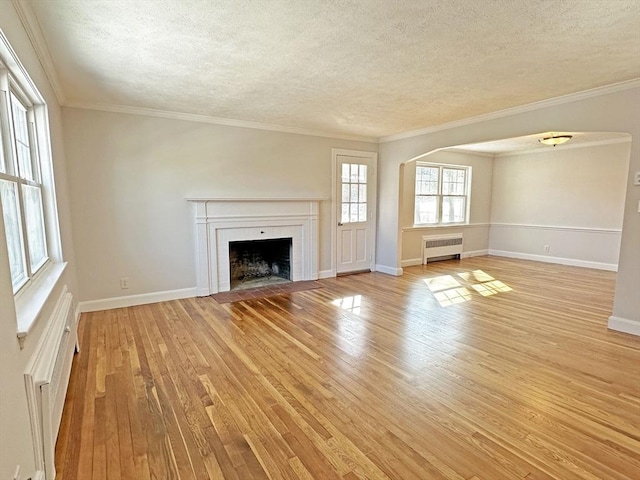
[{"x": 259, "y": 263}]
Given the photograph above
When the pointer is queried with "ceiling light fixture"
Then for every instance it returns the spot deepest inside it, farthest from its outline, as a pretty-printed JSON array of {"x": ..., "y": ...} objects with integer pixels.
[{"x": 554, "y": 140}]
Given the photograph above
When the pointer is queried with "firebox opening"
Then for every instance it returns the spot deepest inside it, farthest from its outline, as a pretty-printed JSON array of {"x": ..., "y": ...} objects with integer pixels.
[{"x": 258, "y": 263}]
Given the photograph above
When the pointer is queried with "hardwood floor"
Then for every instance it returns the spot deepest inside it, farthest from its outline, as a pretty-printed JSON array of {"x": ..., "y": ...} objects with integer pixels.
[{"x": 491, "y": 369}]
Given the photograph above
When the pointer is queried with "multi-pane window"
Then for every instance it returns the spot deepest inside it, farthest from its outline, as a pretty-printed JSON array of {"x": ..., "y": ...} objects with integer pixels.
[
  {"x": 354, "y": 193},
  {"x": 21, "y": 183},
  {"x": 442, "y": 194}
]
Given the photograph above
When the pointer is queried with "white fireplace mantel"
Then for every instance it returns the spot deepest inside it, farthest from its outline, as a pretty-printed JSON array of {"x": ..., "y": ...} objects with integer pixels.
[{"x": 219, "y": 221}]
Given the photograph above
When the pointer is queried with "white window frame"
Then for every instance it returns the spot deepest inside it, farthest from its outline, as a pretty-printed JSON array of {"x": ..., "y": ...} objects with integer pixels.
[
  {"x": 440, "y": 196},
  {"x": 15, "y": 80}
]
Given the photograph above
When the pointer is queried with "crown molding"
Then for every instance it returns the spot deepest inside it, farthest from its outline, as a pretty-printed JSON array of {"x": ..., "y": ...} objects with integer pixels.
[
  {"x": 571, "y": 97},
  {"x": 193, "y": 117},
  {"x": 34, "y": 32}
]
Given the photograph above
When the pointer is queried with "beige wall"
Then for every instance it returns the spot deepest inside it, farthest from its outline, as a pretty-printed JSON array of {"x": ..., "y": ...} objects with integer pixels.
[
  {"x": 576, "y": 187},
  {"x": 130, "y": 175},
  {"x": 476, "y": 235},
  {"x": 569, "y": 199},
  {"x": 15, "y": 431}
]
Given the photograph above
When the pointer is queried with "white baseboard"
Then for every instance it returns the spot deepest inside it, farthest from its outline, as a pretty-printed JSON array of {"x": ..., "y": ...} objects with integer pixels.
[
  {"x": 412, "y": 262},
  {"x": 624, "y": 325},
  {"x": 326, "y": 274},
  {"x": 562, "y": 261},
  {"x": 389, "y": 270},
  {"x": 475, "y": 253},
  {"x": 131, "y": 300}
]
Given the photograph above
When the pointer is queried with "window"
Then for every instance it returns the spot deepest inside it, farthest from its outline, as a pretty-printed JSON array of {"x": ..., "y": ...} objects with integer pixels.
[
  {"x": 354, "y": 193},
  {"x": 21, "y": 185},
  {"x": 442, "y": 194}
]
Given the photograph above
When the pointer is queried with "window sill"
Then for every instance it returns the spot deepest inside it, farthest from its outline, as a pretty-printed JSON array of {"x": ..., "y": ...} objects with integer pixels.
[
  {"x": 447, "y": 225},
  {"x": 31, "y": 301}
]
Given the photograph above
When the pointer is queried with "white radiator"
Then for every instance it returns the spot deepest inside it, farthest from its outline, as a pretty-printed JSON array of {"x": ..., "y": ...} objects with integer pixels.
[
  {"x": 47, "y": 378},
  {"x": 434, "y": 246}
]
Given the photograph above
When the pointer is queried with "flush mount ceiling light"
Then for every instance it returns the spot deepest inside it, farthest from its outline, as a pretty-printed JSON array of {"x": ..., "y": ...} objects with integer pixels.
[{"x": 554, "y": 140}]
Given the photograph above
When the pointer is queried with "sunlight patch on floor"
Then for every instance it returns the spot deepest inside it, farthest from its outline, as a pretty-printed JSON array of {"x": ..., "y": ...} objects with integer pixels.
[
  {"x": 477, "y": 275},
  {"x": 351, "y": 304},
  {"x": 449, "y": 291},
  {"x": 491, "y": 288},
  {"x": 453, "y": 296},
  {"x": 442, "y": 282}
]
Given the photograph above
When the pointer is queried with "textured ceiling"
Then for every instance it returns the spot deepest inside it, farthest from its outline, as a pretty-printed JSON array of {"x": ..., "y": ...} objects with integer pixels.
[{"x": 369, "y": 67}]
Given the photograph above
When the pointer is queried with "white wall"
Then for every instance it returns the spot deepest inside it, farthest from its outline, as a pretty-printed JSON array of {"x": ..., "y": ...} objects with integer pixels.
[
  {"x": 617, "y": 110},
  {"x": 15, "y": 432},
  {"x": 130, "y": 174},
  {"x": 570, "y": 199},
  {"x": 476, "y": 234}
]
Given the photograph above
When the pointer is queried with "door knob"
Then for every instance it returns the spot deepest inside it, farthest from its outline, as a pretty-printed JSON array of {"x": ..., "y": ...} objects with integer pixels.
[{"x": 339, "y": 224}]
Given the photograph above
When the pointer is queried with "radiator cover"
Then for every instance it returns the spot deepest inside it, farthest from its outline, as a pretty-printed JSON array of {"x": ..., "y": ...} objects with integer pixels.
[
  {"x": 434, "y": 246},
  {"x": 46, "y": 380}
]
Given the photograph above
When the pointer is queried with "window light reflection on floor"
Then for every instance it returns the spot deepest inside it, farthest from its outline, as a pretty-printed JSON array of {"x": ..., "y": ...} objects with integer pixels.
[
  {"x": 477, "y": 275},
  {"x": 449, "y": 291},
  {"x": 491, "y": 288},
  {"x": 351, "y": 304},
  {"x": 453, "y": 296},
  {"x": 442, "y": 282}
]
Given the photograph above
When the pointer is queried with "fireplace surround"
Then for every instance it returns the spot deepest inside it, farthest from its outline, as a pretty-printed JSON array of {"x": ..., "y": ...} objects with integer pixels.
[{"x": 220, "y": 221}]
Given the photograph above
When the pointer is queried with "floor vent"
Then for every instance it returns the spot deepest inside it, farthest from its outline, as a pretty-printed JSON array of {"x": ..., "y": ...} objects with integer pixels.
[{"x": 436, "y": 246}]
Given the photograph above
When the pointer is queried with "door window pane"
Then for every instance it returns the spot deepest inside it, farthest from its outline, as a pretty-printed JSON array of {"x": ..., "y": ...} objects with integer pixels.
[
  {"x": 362, "y": 212},
  {"x": 362, "y": 174},
  {"x": 345, "y": 172},
  {"x": 345, "y": 213},
  {"x": 354, "y": 193},
  {"x": 363, "y": 194},
  {"x": 35, "y": 226},
  {"x": 354, "y": 173},
  {"x": 13, "y": 231},
  {"x": 345, "y": 193},
  {"x": 354, "y": 212}
]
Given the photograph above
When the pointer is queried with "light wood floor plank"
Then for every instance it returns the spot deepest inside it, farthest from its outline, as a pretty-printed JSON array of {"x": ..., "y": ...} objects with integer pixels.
[{"x": 481, "y": 368}]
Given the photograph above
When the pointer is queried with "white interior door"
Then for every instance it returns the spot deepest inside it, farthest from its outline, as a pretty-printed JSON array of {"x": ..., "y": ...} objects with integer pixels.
[{"x": 355, "y": 192}]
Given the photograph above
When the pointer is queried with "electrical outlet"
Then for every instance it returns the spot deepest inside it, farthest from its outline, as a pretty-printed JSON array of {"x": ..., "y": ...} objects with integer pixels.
[
  {"x": 546, "y": 249},
  {"x": 124, "y": 283}
]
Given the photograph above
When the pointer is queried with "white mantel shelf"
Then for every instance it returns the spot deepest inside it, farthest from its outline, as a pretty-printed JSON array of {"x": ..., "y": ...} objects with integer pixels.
[{"x": 219, "y": 221}]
